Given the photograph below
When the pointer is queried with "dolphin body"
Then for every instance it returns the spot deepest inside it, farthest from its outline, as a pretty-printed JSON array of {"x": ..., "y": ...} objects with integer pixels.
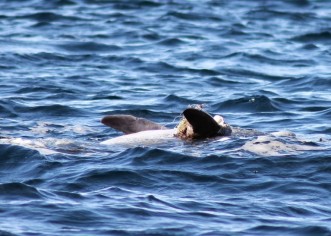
[{"x": 196, "y": 124}]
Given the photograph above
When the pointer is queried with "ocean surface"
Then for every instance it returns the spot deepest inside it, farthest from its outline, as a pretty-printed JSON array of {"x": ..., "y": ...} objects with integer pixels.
[{"x": 262, "y": 65}]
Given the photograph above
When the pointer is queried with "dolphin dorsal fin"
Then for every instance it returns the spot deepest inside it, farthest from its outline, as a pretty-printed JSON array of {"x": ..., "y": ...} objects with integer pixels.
[
  {"x": 130, "y": 124},
  {"x": 202, "y": 123}
]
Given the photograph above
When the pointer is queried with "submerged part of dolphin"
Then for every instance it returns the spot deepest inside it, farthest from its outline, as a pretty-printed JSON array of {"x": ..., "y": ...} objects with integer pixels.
[{"x": 196, "y": 124}]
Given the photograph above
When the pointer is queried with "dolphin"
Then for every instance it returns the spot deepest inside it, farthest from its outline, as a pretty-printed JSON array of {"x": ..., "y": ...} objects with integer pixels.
[
  {"x": 198, "y": 124},
  {"x": 195, "y": 124}
]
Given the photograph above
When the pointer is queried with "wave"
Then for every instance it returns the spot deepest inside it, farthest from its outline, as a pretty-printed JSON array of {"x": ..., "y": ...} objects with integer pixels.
[
  {"x": 289, "y": 230},
  {"x": 259, "y": 103},
  {"x": 264, "y": 13},
  {"x": 42, "y": 59},
  {"x": 130, "y": 5},
  {"x": 244, "y": 73},
  {"x": 166, "y": 68},
  {"x": 20, "y": 168},
  {"x": 88, "y": 47},
  {"x": 18, "y": 191},
  {"x": 173, "y": 99},
  {"x": 49, "y": 17},
  {"x": 191, "y": 16},
  {"x": 12, "y": 109},
  {"x": 122, "y": 177},
  {"x": 57, "y": 110},
  {"x": 171, "y": 42},
  {"x": 322, "y": 36},
  {"x": 7, "y": 108},
  {"x": 280, "y": 60}
]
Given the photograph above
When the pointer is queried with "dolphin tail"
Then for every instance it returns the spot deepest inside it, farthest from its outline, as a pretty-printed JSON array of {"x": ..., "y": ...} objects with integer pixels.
[{"x": 130, "y": 124}]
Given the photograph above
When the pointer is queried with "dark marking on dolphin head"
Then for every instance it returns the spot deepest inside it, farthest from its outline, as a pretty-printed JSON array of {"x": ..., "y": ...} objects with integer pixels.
[
  {"x": 198, "y": 124},
  {"x": 202, "y": 123}
]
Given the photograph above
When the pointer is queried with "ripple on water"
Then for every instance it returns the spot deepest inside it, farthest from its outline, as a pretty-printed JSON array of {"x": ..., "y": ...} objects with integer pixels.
[
  {"x": 250, "y": 104},
  {"x": 89, "y": 47},
  {"x": 322, "y": 36}
]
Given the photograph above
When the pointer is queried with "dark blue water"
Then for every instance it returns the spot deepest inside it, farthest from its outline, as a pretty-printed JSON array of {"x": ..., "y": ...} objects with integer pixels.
[{"x": 64, "y": 64}]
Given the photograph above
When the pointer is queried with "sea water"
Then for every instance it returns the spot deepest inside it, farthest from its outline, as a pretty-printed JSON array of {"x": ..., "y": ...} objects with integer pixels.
[{"x": 262, "y": 65}]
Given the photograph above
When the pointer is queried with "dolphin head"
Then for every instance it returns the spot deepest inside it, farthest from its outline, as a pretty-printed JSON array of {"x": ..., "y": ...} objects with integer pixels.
[{"x": 197, "y": 124}]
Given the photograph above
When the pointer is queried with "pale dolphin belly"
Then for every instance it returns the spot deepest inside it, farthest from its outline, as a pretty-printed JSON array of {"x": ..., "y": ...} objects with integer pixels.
[{"x": 142, "y": 138}]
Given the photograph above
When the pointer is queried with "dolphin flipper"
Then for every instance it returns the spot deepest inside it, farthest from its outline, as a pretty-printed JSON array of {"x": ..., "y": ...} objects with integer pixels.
[
  {"x": 203, "y": 124},
  {"x": 130, "y": 124}
]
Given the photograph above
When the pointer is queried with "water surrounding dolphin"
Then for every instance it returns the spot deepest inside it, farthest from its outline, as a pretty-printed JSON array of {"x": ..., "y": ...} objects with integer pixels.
[{"x": 195, "y": 124}]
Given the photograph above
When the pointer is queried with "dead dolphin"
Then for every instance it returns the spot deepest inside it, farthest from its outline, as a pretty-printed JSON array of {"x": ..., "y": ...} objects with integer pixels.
[
  {"x": 195, "y": 124},
  {"x": 198, "y": 124}
]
